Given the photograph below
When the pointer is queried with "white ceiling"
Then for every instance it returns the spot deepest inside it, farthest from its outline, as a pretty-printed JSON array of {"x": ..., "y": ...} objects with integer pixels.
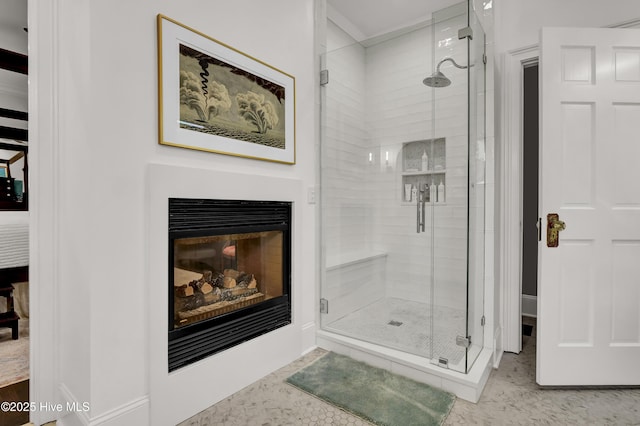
[
  {"x": 375, "y": 17},
  {"x": 370, "y": 17}
]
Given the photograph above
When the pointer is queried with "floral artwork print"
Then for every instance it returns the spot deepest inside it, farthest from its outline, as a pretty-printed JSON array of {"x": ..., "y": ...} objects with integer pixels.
[{"x": 221, "y": 99}]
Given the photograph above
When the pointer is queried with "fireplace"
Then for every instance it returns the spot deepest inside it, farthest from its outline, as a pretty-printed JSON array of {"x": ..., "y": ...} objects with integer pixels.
[{"x": 229, "y": 274}]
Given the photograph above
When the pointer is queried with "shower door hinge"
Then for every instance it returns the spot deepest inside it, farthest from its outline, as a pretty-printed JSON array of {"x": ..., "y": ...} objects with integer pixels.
[
  {"x": 465, "y": 342},
  {"x": 484, "y": 58},
  {"x": 324, "y": 306},
  {"x": 465, "y": 32},
  {"x": 324, "y": 77},
  {"x": 482, "y": 321}
]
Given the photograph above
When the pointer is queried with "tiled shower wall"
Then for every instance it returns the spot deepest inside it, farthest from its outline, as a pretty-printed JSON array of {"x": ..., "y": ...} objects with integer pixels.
[
  {"x": 346, "y": 210},
  {"x": 375, "y": 102}
]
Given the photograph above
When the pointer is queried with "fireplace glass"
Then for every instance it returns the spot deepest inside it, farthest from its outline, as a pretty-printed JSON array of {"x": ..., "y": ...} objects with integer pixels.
[
  {"x": 229, "y": 274},
  {"x": 215, "y": 275}
]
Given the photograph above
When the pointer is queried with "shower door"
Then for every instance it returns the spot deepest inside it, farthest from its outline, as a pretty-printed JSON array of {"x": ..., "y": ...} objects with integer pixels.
[
  {"x": 402, "y": 189},
  {"x": 375, "y": 128},
  {"x": 458, "y": 227},
  {"x": 476, "y": 89}
]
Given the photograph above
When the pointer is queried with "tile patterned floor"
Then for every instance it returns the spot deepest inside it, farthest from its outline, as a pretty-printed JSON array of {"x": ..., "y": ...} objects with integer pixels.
[
  {"x": 511, "y": 397},
  {"x": 273, "y": 402}
]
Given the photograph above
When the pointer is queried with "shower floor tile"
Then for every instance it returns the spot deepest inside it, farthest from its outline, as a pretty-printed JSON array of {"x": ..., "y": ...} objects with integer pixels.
[{"x": 406, "y": 325}]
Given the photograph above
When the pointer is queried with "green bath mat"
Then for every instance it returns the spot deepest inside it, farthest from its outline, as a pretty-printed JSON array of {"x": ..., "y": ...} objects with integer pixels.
[{"x": 372, "y": 393}]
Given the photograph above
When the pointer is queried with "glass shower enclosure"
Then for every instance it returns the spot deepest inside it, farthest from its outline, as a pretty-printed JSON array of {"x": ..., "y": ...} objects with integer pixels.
[{"x": 402, "y": 191}]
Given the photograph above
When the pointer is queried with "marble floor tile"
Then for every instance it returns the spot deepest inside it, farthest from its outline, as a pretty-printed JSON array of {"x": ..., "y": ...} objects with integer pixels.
[{"x": 511, "y": 397}]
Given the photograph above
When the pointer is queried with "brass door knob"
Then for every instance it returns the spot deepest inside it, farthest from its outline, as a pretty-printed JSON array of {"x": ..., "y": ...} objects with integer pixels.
[{"x": 554, "y": 226}]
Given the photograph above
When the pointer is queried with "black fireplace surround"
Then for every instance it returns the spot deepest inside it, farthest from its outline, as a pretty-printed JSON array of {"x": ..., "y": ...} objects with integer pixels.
[{"x": 214, "y": 304}]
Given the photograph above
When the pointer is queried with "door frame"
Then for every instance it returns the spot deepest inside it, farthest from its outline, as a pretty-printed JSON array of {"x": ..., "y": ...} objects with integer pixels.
[
  {"x": 510, "y": 268},
  {"x": 44, "y": 207},
  {"x": 510, "y": 190}
]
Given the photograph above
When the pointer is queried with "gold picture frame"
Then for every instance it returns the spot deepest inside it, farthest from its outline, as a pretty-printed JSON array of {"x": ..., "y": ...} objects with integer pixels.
[{"x": 215, "y": 98}]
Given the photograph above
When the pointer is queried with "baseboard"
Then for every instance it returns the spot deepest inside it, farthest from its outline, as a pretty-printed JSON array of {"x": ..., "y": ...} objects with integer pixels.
[
  {"x": 135, "y": 412},
  {"x": 77, "y": 417},
  {"x": 529, "y": 305},
  {"x": 308, "y": 337}
]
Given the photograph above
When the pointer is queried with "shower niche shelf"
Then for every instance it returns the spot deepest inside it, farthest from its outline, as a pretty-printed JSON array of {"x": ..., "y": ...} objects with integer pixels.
[{"x": 418, "y": 171}]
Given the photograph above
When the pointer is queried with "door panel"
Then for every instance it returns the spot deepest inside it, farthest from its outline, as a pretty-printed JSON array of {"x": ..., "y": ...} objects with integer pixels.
[
  {"x": 576, "y": 287},
  {"x": 625, "y": 321},
  {"x": 578, "y": 146},
  {"x": 589, "y": 288}
]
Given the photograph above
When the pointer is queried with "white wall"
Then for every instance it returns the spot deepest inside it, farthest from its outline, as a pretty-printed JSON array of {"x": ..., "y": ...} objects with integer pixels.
[
  {"x": 95, "y": 135},
  {"x": 518, "y": 22}
]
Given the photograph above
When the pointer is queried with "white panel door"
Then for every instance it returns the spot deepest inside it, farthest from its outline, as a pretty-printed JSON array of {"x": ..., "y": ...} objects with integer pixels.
[{"x": 589, "y": 286}]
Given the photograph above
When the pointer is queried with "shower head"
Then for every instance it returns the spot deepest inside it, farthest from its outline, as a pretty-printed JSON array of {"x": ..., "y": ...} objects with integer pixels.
[{"x": 437, "y": 79}]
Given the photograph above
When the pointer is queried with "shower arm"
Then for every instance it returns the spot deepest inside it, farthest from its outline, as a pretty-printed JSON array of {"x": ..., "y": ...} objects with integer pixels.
[{"x": 453, "y": 62}]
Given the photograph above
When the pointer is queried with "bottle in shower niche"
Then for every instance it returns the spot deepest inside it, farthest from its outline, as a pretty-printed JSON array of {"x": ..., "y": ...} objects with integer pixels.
[
  {"x": 441, "y": 192},
  {"x": 433, "y": 192},
  {"x": 407, "y": 191},
  {"x": 425, "y": 161}
]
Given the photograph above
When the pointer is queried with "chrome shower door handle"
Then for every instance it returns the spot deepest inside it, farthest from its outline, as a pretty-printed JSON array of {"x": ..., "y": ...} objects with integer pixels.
[
  {"x": 424, "y": 201},
  {"x": 420, "y": 204},
  {"x": 418, "y": 213}
]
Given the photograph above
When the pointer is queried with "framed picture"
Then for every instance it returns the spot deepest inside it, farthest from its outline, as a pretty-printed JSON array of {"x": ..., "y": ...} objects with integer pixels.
[{"x": 215, "y": 98}]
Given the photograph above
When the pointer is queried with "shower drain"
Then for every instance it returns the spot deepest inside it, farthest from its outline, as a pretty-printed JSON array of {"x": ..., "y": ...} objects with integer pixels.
[{"x": 395, "y": 323}]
